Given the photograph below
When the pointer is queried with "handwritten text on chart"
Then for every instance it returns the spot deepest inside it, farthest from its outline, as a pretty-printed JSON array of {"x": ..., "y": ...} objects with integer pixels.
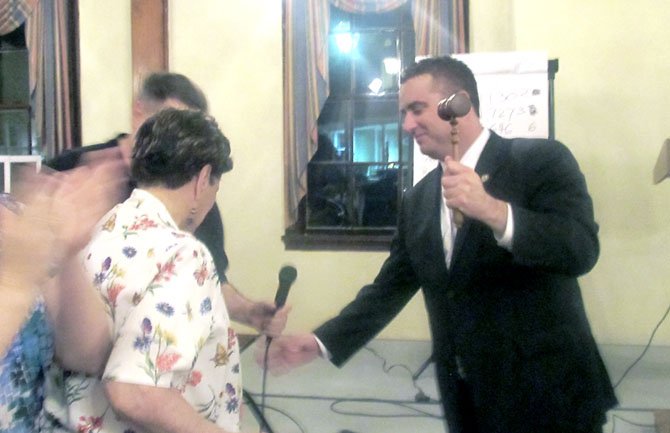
[{"x": 513, "y": 111}]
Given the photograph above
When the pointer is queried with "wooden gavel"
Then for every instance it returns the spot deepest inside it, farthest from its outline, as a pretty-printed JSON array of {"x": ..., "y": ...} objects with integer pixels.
[{"x": 450, "y": 109}]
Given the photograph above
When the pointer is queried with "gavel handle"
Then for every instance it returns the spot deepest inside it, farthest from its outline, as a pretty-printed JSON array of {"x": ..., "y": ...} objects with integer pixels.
[
  {"x": 457, "y": 215},
  {"x": 458, "y": 218}
]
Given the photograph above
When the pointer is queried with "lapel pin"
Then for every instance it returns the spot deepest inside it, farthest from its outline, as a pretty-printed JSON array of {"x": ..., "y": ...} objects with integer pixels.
[{"x": 485, "y": 178}]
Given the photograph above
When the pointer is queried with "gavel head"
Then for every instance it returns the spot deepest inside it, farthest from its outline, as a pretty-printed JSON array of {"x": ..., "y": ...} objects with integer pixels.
[{"x": 457, "y": 105}]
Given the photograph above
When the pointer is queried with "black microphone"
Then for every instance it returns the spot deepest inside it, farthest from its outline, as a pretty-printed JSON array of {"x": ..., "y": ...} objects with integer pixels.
[
  {"x": 457, "y": 105},
  {"x": 287, "y": 275}
]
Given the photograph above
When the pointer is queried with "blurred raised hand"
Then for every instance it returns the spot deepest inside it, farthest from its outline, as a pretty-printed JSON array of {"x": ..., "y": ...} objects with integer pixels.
[
  {"x": 84, "y": 195},
  {"x": 40, "y": 233},
  {"x": 57, "y": 213},
  {"x": 27, "y": 229}
]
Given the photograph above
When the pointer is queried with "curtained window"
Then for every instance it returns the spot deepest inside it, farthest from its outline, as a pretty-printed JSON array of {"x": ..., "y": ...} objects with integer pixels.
[
  {"x": 39, "y": 93},
  {"x": 347, "y": 160}
]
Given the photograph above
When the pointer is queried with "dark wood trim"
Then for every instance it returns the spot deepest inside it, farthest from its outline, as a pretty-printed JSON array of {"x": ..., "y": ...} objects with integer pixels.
[
  {"x": 336, "y": 241},
  {"x": 74, "y": 67},
  {"x": 14, "y": 106},
  {"x": 465, "y": 20},
  {"x": 149, "y": 36}
]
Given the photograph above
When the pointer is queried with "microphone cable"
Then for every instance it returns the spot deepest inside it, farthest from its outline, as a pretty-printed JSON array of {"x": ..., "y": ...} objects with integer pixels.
[
  {"x": 287, "y": 275},
  {"x": 421, "y": 396},
  {"x": 646, "y": 348},
  {"x": 265, "y": 426},
  {"x": 650, "y": 427}
]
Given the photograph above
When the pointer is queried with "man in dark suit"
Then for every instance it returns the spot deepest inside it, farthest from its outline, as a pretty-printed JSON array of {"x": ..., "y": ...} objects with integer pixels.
[{"x": 512, "y": 345}]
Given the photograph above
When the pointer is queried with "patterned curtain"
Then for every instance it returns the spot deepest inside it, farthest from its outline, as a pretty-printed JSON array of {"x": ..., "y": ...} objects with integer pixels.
[
  {"x": 13, "y": 13},
  {"x": 440, "y": 28},
  {"x": 50, "y": 50},
  {"x": 52, "y": 75}
]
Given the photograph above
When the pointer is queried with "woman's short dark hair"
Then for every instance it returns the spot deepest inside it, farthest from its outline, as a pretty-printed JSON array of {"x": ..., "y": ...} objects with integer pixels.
[
  {"x": 451, "y": 73},
  {"x": 172, "y": 147}
]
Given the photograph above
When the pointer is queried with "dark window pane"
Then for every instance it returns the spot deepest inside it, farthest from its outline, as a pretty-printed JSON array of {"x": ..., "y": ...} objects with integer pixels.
[
  {"x": 361, "y": 196},
  {"x": 14, "y": 77},
  {"x": 375, "y": 130},
  {"x": 327, "y": 195},
  {"x": 15, "y": 39},
  {"x": 377, "y": 63},
  {"x": 377, "y": 192},
  {"x": 14, "y": 132},
  {"x": 333, "y": 126}
]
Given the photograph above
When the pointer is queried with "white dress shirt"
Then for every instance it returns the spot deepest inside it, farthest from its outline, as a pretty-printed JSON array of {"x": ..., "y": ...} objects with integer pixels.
[{"x": 449, "y": 230}]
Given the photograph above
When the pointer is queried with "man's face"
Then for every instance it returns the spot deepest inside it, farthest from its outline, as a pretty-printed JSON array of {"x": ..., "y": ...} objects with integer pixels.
[{"x": 418, "y": 99}]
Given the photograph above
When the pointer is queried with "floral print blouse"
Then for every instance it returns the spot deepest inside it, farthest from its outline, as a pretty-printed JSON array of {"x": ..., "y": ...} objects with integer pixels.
[{"x": 170, "y": 324}]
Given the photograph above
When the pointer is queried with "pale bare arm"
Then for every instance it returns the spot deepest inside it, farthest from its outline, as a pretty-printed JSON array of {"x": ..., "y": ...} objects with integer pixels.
[
  {"x": 81, "y": 329},
  {"x": 156, "y": 410}
]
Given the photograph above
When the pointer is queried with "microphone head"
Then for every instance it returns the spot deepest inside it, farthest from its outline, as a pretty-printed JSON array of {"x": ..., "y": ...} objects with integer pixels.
[
  {"x": 457, "y": 105},
  {"x": 287, "y": 274}
]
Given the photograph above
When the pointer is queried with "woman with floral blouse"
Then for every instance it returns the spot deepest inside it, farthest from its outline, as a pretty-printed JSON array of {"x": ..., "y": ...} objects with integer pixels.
[{"x": 174, "y": 365}]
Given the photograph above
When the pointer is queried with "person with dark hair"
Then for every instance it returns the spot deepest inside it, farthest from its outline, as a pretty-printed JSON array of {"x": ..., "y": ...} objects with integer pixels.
[
  {"x": 162, "y": 86},
  {"x": 173, "y": 156},
  {"x": 174, "y": 363},
  {"x": 171, "y": 90},
  {"x": 512, "y": 345},
  {"x": 159, "y": 90}
]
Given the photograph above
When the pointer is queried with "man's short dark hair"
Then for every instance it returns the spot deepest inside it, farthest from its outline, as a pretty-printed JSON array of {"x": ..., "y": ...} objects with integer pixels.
[
  {"x": 172, "y": 147},
  {"x": 453, "y": 74},
  {"x": 160, "y": 86}
]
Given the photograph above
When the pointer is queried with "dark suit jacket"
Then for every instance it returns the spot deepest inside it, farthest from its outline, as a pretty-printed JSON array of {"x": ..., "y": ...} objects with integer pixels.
[{"x": 513, "y": 321}]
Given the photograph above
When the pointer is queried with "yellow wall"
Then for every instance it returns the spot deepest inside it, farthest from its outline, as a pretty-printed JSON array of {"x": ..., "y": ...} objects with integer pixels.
[
  {"x": 611, "y": 109},
  {"x": 612, "y": 105},
  {"x": 105, "y": 67}
]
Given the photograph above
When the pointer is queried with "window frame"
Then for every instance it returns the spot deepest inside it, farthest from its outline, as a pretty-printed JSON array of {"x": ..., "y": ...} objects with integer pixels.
[
  {"x": 440, "y": 27},
  {"x": 358, "y": 237}
]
